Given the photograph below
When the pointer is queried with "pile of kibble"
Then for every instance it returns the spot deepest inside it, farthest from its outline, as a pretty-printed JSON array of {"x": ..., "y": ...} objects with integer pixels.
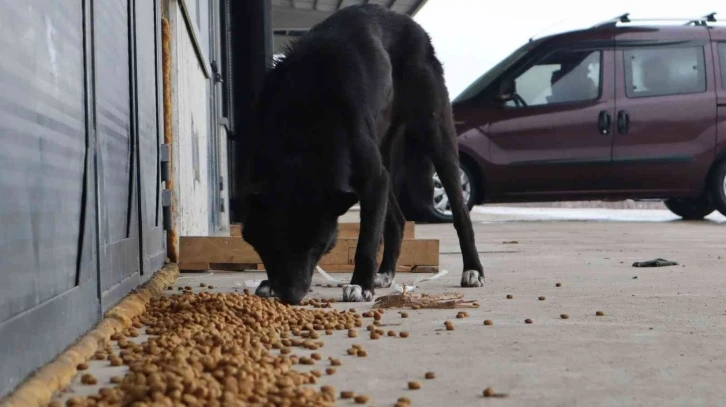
[{"x": 213, "y": 349}]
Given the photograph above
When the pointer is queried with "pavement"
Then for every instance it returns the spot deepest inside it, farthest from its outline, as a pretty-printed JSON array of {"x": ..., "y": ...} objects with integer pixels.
[{"x": 659, "y": 343}]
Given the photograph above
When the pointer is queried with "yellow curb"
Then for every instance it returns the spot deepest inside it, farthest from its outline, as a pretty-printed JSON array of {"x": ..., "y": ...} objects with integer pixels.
[{"x": 38, "y": 389}]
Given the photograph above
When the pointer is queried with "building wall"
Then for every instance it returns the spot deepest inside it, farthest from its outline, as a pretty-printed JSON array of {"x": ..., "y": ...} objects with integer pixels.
[
  {"x": 197, "y": 167},
  {"x": 79, "y": 186}
]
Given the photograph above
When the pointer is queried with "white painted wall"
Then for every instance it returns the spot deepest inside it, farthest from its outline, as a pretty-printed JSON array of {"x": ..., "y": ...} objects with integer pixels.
[
  {"x": 190, "y": 128},
  {"x": 224, "y": 172}
]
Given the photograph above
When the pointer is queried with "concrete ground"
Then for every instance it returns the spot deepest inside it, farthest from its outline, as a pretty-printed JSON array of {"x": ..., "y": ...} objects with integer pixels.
[{"x": 660, "y": 342}]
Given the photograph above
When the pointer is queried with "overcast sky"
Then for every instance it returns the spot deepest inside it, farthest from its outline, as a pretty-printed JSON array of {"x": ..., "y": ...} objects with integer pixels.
[{"x": 470, "y": 36}]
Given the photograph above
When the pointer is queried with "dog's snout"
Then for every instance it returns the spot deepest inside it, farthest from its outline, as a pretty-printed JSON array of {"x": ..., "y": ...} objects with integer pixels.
[{"x": 292, "y": 295}]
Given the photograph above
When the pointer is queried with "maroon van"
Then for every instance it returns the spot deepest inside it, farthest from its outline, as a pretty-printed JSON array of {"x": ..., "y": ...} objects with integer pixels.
[{"x": 616, "y": 111}]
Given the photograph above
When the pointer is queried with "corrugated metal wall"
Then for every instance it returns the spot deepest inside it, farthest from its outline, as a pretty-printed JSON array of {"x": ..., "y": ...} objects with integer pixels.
[{"x": 80, "y": 117}]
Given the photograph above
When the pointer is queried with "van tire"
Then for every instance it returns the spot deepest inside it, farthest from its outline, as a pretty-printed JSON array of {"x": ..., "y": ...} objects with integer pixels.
[
  {"x": 691, "y": 208},
  {"x": 717, "y": 187}
]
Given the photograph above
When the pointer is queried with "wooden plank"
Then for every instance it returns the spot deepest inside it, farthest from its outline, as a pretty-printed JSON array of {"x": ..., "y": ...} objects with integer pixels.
[
  {"x": 193, "y": 266},
  {"x": 353, "y": 229},
  {"x": 344, "y": 230},
  {"x": 212, "y": 249}
]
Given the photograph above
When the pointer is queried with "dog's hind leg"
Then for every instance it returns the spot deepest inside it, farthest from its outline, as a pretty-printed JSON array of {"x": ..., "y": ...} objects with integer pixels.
[
  {"x": 431, "y": 125},
  {"x": 392, "y": 235},
  {"x": 395, "y": 221},
  {"x": 446, "y": 161},
  {"x": 373, "y": 197}
]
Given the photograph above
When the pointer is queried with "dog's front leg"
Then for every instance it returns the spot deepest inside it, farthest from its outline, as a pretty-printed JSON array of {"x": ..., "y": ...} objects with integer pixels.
[{"x": 373, "y": 201}]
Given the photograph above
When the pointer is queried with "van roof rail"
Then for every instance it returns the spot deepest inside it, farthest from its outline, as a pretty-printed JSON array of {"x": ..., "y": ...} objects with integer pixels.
[
  {"x": 625, "y": 18},
  {"x": 708, "y": 18}
]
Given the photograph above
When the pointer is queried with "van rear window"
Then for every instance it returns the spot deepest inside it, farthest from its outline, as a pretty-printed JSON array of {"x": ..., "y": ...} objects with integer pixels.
[
  {"x": 660, "y": 71},
  {"x": 722, "y": 59}
]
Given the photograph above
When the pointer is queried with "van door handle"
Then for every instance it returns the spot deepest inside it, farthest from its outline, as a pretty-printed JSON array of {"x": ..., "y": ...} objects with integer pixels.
[
  {"x": 623, "y": 122},
  {"x": 603, "y": 122}
]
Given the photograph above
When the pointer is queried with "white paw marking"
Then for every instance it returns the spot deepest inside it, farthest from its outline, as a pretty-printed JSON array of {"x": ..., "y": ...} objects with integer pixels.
[
  {"x": 355, "y": 293},
  {"x": 472, "y": 278},
  {"x": 265, "y": 289},
  {"x": 383, "y": 280}
]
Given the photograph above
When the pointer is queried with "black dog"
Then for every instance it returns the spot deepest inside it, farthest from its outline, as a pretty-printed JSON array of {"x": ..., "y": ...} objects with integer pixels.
[{"x": 327, "y": 119}]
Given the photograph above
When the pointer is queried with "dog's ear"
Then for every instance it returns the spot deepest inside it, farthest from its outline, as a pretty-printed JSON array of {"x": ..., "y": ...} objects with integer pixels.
[{"x": 341, "y": 201}]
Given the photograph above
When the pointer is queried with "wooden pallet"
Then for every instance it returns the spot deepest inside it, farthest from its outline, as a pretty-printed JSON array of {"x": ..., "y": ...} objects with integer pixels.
[{"x": 198, "y": 253}]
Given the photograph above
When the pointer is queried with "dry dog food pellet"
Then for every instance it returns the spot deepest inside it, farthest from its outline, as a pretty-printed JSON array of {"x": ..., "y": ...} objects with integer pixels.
[
  {"x": 116, "y": 361},
  {"x": 352, "y": 351},
  {"x": 335, "y": 362},
  {"x": 347, "y": 394},
  {"x": 371, "y": 327},
  {"x": 380, "y": 332},
  {"x": 202, "y": 284},
  {"x": 115, "y": 379},
  {"x": 330, "y": 370},
  {"x": 415, "y": 307},
  {"x": 352, "y": 333},
  {"x": 488, "y": 322},
  {"x": 404, "y": 315},
  {"x": 187, "y": 288},
  {"x": 357, "y": 346},
  {"x": 564, "y": 316},
  {"x": 89, "y": 379},
  {"x": 527, "y": 321},
  {"x": 510, "y": 296},
  {"x": 211, "y": 287},
  {"x": 414, "y": 385},
  {"x": 358, "y": 323},
  {"x": 430, "y": 375},
  {"x": 306, "y": 361},
  {"x": 488, "y": 392},
  {"x": 542, "y": 298},
  {"x": 327, "y": 389},
  {"x": 600, "y": 313},
  {"x": 361, "y": 399},
  {"x": 449, "y": 325},
  {"x": 82, "y": 366},
  {"x": 377, "y": 317},
  {"x": 404, "y": 400},
  {"x": 328, "y": 332},
  {"x": 403, "y": 334},
  {"x": 316, "y": 356},
  {"x": 391, "y": 333},
  {"x": 362, "y": 353},
  {"x": 316, "y": 373},
  {"x": 558, "y": 285},
  {"x": 100, "y": 355}
]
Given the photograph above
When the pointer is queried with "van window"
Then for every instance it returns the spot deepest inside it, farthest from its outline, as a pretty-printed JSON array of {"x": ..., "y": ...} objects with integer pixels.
[
  {"x": 664, "y": 71},
  {"x": 561, "y": 77},
  {"x": 722, "y": 60}
]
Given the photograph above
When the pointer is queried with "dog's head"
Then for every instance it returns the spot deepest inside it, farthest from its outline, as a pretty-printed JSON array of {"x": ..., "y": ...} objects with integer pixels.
[{"x": 291, "y": 232}]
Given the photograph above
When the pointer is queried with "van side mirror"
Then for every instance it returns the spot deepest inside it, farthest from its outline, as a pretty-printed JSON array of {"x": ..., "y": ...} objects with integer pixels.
[{"x": 507, "y": 90}]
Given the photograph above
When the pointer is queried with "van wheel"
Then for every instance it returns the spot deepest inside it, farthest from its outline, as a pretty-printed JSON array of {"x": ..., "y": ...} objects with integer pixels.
[
  {"x": 440, "y": 209},
  {"x": 717, "y": 187},
  {"x": 691, "y": 208}
]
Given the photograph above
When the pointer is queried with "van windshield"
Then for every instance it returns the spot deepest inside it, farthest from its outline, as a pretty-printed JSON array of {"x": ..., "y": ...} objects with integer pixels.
[{"x": 489, "y": 76}]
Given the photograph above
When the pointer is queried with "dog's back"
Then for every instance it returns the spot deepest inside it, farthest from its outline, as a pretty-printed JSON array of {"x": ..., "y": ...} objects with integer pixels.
[{"x": 339, "y": 74}]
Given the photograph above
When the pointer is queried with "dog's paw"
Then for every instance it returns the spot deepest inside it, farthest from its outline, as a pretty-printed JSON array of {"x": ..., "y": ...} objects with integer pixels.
[
  {"x": 472, "y": 278},
  {"x": 356, "y": 293},
  {"x": 383, "y": 280},
  {"x": 265, "y": 289}
]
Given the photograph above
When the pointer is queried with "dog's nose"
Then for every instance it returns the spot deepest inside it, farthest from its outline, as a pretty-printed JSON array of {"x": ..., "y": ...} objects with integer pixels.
[{"x": 291, "y": 295}]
